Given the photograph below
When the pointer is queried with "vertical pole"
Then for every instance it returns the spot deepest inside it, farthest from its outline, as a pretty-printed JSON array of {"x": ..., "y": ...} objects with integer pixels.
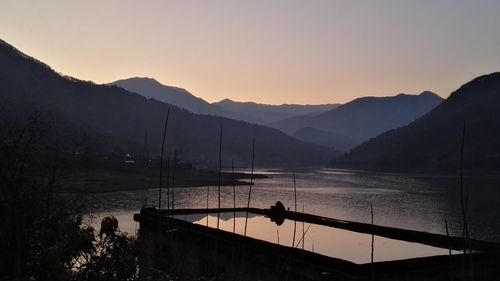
[
  {"x": 373, "y": 247},
  {"x": 168, "y": 181},
  {"x": 208, "y": 194},
  {"x": 462, "y": 195},
  {"x": 220, "y": 168},
  {"x": 161, "y": 158},
  {"x": 449, "y": 250},
  {"x": 173, "y": 181},
  {"x": 447, "y": 234},
  {"x": 250, "y": 189},
  {"x": 303, "y": 231},
  {"x": 464, "y": 203},
  {"x": 234, "y": 197},
  {"x": 295, "y": 199}
]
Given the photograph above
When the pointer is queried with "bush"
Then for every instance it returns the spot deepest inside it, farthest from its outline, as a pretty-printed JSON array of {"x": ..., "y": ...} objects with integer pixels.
[{"x": 41, "y": 232}]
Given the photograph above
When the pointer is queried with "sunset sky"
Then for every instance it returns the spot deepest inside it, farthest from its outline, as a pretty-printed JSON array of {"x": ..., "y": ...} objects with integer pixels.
[{"x": 262, "y": 50}]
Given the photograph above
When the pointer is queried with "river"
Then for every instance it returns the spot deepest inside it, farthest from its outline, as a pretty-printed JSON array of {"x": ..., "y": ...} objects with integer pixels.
[{"x": 417, "y": 202}]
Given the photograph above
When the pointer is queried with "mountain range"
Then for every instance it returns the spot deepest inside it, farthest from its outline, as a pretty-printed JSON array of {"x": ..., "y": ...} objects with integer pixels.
[
  {"x": 117, "y": 121},
  {"x": 250, "y": 112},
  {"x": 399, "y": 133},
  {"x": 359, "y": 120},
  {"x": 433, "y": 142},
  {"x": 267, "y": 113},
  {"x": 151, "y": 88}
]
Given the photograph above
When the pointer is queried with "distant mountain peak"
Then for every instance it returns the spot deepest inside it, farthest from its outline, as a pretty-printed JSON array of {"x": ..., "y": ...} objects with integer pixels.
[
  {"x": 145, "y": 81},
  {"x": 362, "y": 118},
  {"x": 226, "y": 100},
  {"x": 431, "y": 143},
  {"x": 152, "y": 88},
  {"x": 145, "y": 78},
  {"x": 430, "y": 94}
]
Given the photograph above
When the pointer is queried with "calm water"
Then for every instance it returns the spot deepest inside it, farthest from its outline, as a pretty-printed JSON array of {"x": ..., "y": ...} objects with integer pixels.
[
  {"x": 407, "y": 201},
  {"x": 348, "y": 245}
]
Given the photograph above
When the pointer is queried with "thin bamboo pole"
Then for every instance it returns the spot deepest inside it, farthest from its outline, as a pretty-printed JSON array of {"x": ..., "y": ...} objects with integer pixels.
[
  {"x": 303, "y": 236},
  {"x": 449, "y": 250},
  {"x": 295, "y": 204},
  {"x": 234, "y": 197},
  {"x": 161, "y": 157},
  {"x": 168, "y": 181},
  {"x": 303, "y": 231},
  {"x": 220, "y": 171},
  {"x": 173, "y": 180},
  {"x": 462, "y": 191},
  {"x": 372, "y": 273},
  {"x": 208, "y": 195},
  {"x": 250, "y": 188}
]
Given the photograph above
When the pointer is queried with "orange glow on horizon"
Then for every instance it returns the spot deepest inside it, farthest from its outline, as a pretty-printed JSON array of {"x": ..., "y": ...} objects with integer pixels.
[{"x": 265, "y": 52}]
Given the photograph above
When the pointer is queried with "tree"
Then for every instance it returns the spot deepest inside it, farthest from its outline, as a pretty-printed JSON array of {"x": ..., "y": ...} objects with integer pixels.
[
  {"x": 41, "y": 232},
  {"x": 114, "y": 256}
]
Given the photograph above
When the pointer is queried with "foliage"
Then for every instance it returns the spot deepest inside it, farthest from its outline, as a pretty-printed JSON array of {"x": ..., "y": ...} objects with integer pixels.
[
  {"x": 41, "y": 232},
  {"x": 113, "y": 256}
]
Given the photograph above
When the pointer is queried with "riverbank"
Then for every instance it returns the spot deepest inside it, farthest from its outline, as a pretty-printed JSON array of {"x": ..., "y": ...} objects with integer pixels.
[{"x": 122, "y": 177}]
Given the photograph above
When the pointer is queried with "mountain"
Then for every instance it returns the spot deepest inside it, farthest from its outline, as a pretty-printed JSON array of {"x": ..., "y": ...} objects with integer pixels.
[
  {"x": 433, "y": 142},
  {"x": 364, "y": 118},
  {"x": 119, "y": 121},
  {"x": 246, "y": 111},
  {"x": 265, "y": 113},
  {"x": 150, "y": 88}
]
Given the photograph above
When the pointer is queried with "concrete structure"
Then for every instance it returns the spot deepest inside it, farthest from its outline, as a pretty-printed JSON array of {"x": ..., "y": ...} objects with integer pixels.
[{"x": 194, "y": 252}]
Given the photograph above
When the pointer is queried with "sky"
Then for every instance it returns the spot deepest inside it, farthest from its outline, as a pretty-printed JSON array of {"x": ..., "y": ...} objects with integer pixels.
[{"x": 267, "y": 51}]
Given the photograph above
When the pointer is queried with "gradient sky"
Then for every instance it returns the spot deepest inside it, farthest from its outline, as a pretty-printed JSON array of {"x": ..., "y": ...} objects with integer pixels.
[{"x": 263, "y": 50}]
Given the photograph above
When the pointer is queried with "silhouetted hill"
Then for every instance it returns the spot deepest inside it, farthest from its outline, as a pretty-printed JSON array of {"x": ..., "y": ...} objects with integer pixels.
[
  {"x": 246, "y": 111},
  {"x": 120, "y": 119},
  {"x": 365, "y": 117},
  {"x": 265, "y": 113},
  {"x": 150, "y": 88},
  {"x": 432, "y": 143}
]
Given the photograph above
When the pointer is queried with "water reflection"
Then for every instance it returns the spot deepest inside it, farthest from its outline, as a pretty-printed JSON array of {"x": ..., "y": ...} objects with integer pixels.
[
  {"x": 417, "y": 202},
  {"x": 344, "y": 244}
]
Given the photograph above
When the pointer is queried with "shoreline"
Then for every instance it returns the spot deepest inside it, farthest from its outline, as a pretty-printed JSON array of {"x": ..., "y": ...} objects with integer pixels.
[{"x": 113, "y": 180}]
